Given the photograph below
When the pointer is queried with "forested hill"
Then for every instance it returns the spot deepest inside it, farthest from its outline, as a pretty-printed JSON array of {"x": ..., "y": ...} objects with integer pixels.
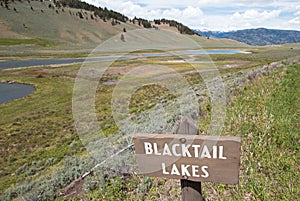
[
  {"x": 102, "y": 13},
  {"x": 260, "y": 36}
]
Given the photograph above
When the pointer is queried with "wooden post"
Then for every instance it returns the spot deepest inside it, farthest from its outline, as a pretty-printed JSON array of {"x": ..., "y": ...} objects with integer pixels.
[{"x": 190, "y": 190}]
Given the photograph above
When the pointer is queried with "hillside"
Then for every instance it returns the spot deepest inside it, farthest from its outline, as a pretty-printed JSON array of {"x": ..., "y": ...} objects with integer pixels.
[
  {"x": 69, "y": 22},
  {"x": 75, "y": 26},
  {"x": 67, "y": 26},
  {"x": 260, "y": 36}
]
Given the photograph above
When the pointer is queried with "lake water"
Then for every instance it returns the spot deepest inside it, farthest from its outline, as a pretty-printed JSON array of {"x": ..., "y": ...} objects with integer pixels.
[
  {"x": 13, "y": 91},
  {"x": 45, "y": 62}
]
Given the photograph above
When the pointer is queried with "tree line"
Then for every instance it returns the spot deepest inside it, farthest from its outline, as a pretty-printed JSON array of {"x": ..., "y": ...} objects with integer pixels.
[
  {"x": 102, "y": 13},
  {"x": 141, "y": 21},
  {"x": 172, "y": 23}
]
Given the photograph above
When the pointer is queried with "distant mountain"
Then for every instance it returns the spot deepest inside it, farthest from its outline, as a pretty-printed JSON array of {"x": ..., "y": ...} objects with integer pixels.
[
  {"x": 260, "y": 36},
  {"x": 214, "y": 34}
]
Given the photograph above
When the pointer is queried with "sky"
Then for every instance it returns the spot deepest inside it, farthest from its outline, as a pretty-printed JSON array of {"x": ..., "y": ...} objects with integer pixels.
[{"x": 215, "y": 15}]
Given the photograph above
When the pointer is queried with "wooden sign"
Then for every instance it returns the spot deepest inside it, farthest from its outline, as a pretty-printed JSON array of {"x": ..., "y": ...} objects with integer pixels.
[{"x": 190, "y": 157}]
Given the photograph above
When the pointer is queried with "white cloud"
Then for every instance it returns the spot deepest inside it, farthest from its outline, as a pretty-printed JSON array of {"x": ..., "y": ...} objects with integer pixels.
[
  {"x": 251, "y": 16},
  {"x": 189, "y": 15},
  {"x": 289, "y": 7},
  {"x": 246, "y": 3},
  {"x": 191, "y": 12},
  {"x": 244, "y": 20},
  {"x": 212, "y": 14},
  {"x": 295, "y": 21},
  {"x": 297, "y": 9}
]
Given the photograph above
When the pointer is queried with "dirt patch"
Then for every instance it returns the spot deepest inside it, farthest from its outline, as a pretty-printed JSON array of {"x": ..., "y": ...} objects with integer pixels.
[
  {"x": 5, "y": 31},
  {"x": 90, "y": 36},
  {"x": 67, "y": 36},
  {"x": 74, "y": 189},
  {"x": 165, "y": 27}
]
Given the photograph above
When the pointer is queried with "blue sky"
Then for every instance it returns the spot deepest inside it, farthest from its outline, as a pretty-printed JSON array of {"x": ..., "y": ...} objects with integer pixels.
[{"x": 218, "y": 15}]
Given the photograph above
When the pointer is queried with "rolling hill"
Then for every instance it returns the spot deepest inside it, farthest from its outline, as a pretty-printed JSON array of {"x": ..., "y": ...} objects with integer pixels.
[
  {"x": 72, "y": 25},
  {"x": 68, "y": 26},
  {"x": 260, "y": 36}
]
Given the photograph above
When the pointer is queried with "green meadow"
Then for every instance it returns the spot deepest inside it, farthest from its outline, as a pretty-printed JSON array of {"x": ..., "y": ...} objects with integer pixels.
[
  {"x": 41, "y": 152},
  {"x": 40, "y": 42}
]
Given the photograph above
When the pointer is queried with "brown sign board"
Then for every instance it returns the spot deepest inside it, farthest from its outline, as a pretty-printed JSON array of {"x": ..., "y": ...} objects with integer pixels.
[{"x": 191, "y": 157}]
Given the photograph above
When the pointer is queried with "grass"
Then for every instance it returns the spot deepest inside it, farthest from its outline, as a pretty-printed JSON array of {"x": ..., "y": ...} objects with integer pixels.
[
  {"x": 266, "y": 115},
  {"x": 37, "y": 127},
  {"x": 38, "y": 132},
  {"x": 38, "y": 41}
]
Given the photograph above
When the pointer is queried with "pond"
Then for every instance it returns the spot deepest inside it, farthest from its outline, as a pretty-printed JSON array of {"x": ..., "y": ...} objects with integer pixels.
[{"x": 12, "y": 91}]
